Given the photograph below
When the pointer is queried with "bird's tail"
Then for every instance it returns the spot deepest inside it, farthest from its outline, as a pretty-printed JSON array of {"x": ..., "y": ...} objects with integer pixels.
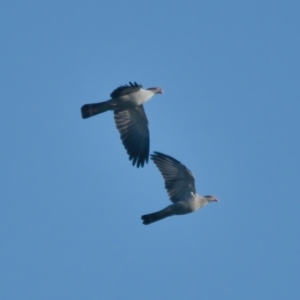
[
  {"x": 89, "y": 110},
  {"x": 150, "y": 218}
]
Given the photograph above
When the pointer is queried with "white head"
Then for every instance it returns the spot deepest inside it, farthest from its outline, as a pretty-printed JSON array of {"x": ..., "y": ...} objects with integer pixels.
[
  {"x": 156, "y": 90},
  {"x": 211, "y": 199}
]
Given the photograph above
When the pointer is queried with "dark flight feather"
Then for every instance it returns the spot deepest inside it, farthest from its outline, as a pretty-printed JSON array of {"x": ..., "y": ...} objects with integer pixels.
[{"x": 125, "y": 90}]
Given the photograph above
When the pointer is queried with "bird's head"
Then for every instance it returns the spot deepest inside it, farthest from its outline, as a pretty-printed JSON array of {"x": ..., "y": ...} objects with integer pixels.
[
  {"x": 156, "y": 90},
  {"x": 211, "y": 199}
]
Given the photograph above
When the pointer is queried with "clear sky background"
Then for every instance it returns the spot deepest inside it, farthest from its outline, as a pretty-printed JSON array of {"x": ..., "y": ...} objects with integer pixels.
[{"x": 70, "y": 200}]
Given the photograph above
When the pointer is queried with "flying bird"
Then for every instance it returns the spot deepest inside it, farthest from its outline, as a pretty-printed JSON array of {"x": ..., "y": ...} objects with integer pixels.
[
  {"x": 180, "y": 185},
  {"x": 127, "y": 104}
]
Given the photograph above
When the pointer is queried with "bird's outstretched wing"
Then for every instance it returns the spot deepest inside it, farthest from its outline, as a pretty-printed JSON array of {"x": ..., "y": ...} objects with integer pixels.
[
  {"x": 125, "y": 89},
  {"x": 133, "y": 127},
  {"x": 179, "y": 180}
]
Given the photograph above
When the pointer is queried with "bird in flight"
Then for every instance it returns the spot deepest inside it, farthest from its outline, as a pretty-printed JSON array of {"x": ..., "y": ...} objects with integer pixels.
[
  {"x": 127, "y": 104},
  {"x": 180, "y": 185}
]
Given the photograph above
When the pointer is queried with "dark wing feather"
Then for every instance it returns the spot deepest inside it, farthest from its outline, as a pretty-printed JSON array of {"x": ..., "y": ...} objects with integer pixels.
[
  {"x": 133, "y": 127},
  {"x": 125, "y": 90},
  {"x": 179, "y": 180}
]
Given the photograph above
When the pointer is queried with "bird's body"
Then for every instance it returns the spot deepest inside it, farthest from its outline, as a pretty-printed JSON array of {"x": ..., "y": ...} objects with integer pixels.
[
  {"x": 180, "y": 185},
  {"x": 130, "y": 118}
]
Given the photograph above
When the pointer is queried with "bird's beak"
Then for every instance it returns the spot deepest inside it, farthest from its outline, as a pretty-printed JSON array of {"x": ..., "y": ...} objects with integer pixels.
[
  {"x": 216, "y": 200},
  {"x": 160, "y": 91}
]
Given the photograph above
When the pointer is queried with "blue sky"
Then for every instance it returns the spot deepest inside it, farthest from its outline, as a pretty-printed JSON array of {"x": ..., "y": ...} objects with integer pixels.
[{"x": 70, "y": 200}]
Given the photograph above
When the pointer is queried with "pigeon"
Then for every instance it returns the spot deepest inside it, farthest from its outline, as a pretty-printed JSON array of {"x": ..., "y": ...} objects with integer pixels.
[
  {"x": 180, "y": 185},
  {"x": 127, "y": 104}
]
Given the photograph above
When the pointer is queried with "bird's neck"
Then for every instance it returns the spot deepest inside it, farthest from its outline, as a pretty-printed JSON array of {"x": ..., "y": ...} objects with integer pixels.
[
  {"x": 202, "y": 201},
  {"x": 146, "y": 94}
]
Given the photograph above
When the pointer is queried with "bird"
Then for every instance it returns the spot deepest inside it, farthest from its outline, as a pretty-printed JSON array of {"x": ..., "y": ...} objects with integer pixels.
[
  {"x": 127, "y": 104},
  {"x": 180, "y": 185}
]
